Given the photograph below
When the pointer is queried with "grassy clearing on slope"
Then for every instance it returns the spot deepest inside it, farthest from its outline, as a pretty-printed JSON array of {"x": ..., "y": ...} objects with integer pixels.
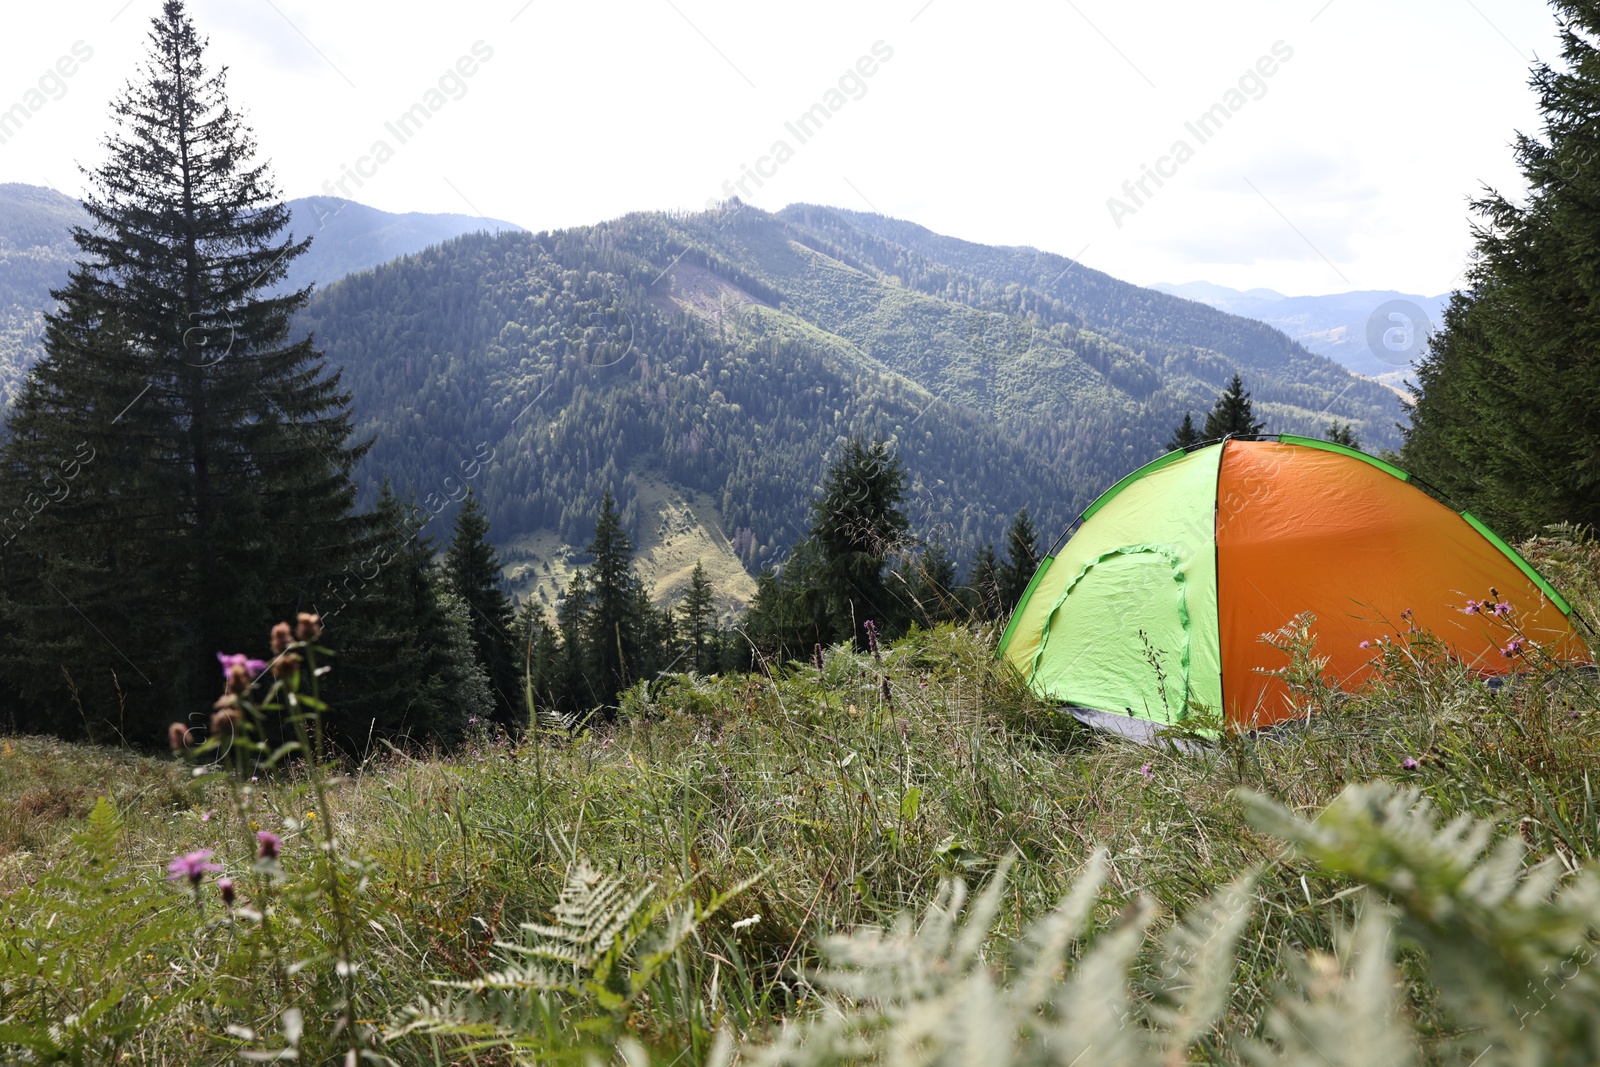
[{"x": 847, "y": 793}]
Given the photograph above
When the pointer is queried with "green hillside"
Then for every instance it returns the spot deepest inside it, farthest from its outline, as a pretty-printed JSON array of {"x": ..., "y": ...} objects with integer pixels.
[{"x": 726, "y": 354}]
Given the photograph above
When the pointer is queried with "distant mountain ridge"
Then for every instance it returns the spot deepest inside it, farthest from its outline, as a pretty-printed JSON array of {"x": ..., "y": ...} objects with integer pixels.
[
  {"x": 720, "y": 358},
  {"x": 1378, "y": 333},
  {"x": 704, "y": 366},
  {"x": 36, "y": 251}
]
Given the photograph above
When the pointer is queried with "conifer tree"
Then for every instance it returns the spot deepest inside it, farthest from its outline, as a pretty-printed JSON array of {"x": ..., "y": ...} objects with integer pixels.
[
  {"x": 463, "y": 683},
  {"x": 570, "y": 684},
  {"x": 473, "y": 573},
  {"x": 1022, "y": 559},
  {"x": 1504, "y": 418},
  {"x": 611, "y": 624},
  {"x": 698, "y": 616},
  {"x": 1185, "y": 436},
  {"x": 928, "y": 582},
  {"x": 1232, "y": 414},
  {"x": 1343, "y": 433},
  {"x": 984, "y": 582},
  {"x": 398, "y": 676},
  {"x": 855, "y": 524},
  {"x": 198, "y": 458}
]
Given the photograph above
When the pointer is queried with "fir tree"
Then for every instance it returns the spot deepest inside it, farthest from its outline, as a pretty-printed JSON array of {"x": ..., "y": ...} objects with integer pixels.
[
  {"x": 855, "y": 524},
  {"x": 612, "y": 624},
  {"x": 1186, "y": 436},
  {"x": 1504, "y": 418},
  {"x": 472, "y": 570},
  {"x": 984, "y": 582},
  {"x": 928, "y": 582},
  {"x": 198, "y": 459},
  {"x": 1343, "y": 433},
  {"x": 400, "y": 677},
  {"x": 1232, "y": 414},
  {"x": 463, "y": 684},
  {"x": 1022, "y": 559},
  {"x": 698, "y": 614}
]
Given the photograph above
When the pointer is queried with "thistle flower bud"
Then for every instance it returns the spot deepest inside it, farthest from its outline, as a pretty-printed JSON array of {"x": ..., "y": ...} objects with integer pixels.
[
  {"x": 270, "y": 844},
  {"x": 310, "y": 626},
  {"x": 178, "y": 736},
  {"x": 225, "y": 887},
  {"x": 285, "y": 665},
  {"x": 238, "y": 678},
  {"x": 281, "y": 638},
  {"x": 225, "y": 721}
]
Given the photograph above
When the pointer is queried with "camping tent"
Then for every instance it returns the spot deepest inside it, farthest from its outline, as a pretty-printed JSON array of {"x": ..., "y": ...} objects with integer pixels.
[{"x": 1160, "y": 599}]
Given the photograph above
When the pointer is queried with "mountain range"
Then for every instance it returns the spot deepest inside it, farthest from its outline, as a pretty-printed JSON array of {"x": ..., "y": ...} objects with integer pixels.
[
  {"x": 1378, "y": 333},
  {"x": 704, "y": 367}
]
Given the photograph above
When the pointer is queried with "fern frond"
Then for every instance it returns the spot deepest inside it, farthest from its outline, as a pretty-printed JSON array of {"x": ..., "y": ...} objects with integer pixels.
[
  {"x": 1197, "y": 968},
  {"x": 1346, "y": 1014}
]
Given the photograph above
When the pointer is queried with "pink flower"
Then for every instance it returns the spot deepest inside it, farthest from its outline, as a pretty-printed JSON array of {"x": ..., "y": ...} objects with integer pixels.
[
  {"x": 254, "y": 667},
  {"x": 192, "y": 865},
  {"x": 1147, "y": 773},
  {"x": 1513, "y": 647},
  {"x": 271, "y": 845},
  {"x": 225, "y": 887},
  {"x": 1366, "y": 644},
  {"x": 1409, "y": 764},
  {"x": 1473, "y": 607},
  {"x": 1503, "y": 608}
]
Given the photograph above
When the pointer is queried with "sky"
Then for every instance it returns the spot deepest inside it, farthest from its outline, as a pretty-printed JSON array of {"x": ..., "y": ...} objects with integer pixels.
[{"x": 1346, "y": 136}]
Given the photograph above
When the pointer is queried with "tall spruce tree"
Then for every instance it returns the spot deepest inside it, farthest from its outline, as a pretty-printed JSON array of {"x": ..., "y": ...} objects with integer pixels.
[
  {"x": 1185, "y": 436},
  {"x": 857, "y": 522},
  {"x": 1022, "y": 559},
  {"x": 1232, "y": 414},
  {"x": 1504, "y": 420},
  {"x": 698, "y": 613},
  {"x": 473, "y": 573},
  {"x": 195, "y": 459},
  {"x": 983, "y": 580},
  {"x": 612, "y": 624}
]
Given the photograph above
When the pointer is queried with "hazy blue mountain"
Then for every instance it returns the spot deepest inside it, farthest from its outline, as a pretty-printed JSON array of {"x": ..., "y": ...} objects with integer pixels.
[
  {"x": 1378, "y": 333},
  {"x": 349, "y": 237},
  {"x": 36, "y": 251}
]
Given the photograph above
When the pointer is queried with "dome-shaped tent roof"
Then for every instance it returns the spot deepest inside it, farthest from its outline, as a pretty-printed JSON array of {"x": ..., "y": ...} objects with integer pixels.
[{"x": 1160, "y": 599}]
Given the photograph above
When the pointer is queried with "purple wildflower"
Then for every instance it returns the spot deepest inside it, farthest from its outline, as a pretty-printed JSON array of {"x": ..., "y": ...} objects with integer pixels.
[
  {"x": 1409, "y": 764},
  {"x": 1503, "y": 608},
  {"x": 872, "y": 637},
  {"x": 1513, "y": 647},
  {"x": 254, "y": 667},
  {"x": 1366, "y": 644},
  {"x": 225, "y": 887},
  {"x": 1147, "y": 773},
  {"x": 1473, "y": 607},
  {"x": 192, "y": 865},
  {"x": 270, "y": 844}
]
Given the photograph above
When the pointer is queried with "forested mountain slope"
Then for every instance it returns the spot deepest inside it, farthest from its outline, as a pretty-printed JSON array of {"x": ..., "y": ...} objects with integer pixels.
[{"x": 728, "y": 353}]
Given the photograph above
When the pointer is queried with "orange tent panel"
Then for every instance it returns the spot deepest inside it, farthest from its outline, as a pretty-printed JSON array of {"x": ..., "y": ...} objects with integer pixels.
[{"x": 1301, "y": 529}]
